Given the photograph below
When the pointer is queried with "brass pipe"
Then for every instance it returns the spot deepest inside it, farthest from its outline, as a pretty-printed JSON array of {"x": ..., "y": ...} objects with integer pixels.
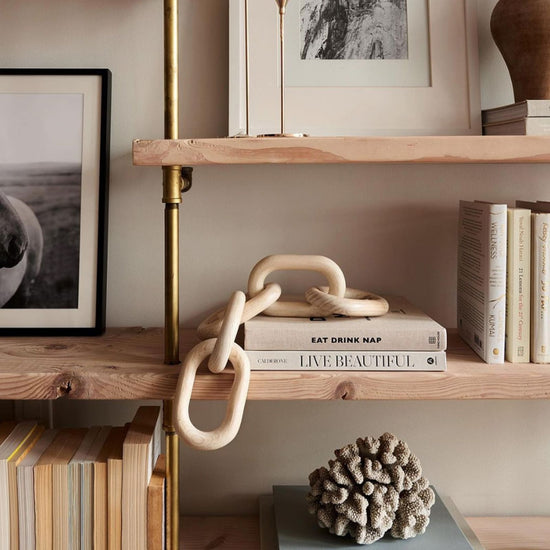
[
  {"x": 282, "y": 60},
  {"x": 172, "y": 477},
  {"x": 171, "y": 197},
  {"x": 171, "y": 100},
  {"x": 171, "y": 284}
]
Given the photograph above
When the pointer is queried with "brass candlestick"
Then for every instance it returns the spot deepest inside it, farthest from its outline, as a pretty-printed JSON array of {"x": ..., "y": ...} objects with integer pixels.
[{"x": 282, "y": 10}]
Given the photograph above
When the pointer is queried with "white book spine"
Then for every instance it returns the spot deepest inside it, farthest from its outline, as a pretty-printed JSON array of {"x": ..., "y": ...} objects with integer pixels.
[
  {"x": 347, "y": 360},
  {"x": 540, "y": 289},
  {"x": 518, "y": 286},
  {"x": 481, "y": 278},
  {"x": 404, "y": 328}
]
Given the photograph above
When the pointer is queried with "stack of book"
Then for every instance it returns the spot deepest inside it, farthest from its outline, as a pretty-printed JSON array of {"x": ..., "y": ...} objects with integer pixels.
[
  {"x": 404, "y": 339},
  {"x": 96, "y": 488},
  {"x": 285, "y": 524},
  {"x": 525, "y": 118},
  {"x": 504, "y": 280}
]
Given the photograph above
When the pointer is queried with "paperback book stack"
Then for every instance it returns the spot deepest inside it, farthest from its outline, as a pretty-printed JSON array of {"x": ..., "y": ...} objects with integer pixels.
[
  {"x": 404, "y": 339},
  {"x": 88, "y": 488},
  {"x": 525, "y": 118},
  {"x": 285, "y": 524}
]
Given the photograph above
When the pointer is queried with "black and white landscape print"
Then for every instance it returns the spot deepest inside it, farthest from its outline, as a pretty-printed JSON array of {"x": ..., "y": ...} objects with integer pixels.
[
  {"x": 41, "y": 165},
  {"x": 353, "y": 29}
]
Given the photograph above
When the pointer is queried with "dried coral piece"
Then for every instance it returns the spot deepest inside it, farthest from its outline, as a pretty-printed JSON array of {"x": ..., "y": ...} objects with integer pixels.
[{"x": 373, "y": 486}]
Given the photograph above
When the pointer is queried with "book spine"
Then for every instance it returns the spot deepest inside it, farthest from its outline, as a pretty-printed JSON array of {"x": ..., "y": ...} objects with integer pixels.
[
  {"x": 347, "y": 361},
  {"x": 313, "y": 338},
  {"x": 481, "y": 278},
  {"x": 518, "y": 285},
  {"x": 540, "y": 318}
]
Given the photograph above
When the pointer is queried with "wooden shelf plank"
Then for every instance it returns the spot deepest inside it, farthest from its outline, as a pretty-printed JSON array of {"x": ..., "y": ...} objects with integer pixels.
[
  {"x": 219, "y": 533},
  {"x": 507, "y": 533},
  {"x": 335, "y": 150},
  {"x": 127, "y": 363},
  {"x": 467, "y": 377},
  {"x": 241, "y": 532},
  {"x": 124, "y": 363}
]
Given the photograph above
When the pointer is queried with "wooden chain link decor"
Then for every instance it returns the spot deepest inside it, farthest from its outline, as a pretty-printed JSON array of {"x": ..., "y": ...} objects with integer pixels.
[{"x": 219, "y": 330}]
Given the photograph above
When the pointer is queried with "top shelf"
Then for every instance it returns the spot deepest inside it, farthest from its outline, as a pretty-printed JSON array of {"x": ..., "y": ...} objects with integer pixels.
[{"x": 340, "y": 150}]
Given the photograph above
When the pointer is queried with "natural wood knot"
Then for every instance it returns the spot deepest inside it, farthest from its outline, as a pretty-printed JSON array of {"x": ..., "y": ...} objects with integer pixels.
[
  {"x": 345, "y": 391},
  {"x": 64, "y": 388},
  {"x": 55, "y": 347}
]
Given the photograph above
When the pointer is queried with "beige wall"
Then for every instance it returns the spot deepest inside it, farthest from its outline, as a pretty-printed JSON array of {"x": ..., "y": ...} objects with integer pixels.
[{"x": 392, "y": 229}]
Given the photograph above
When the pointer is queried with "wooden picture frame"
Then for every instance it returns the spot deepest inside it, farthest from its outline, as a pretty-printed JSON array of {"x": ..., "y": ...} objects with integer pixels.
[
  {"x": 448, "y": 104},
  {"x": 54, "y": 170}
]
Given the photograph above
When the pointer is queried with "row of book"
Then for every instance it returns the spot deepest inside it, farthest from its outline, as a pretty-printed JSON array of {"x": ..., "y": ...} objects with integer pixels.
[
  {"x": 404, "y": 339},
  {"x": 503, "y": 282},
  {"x": 525, "y": 118},
  {"x": 83, "y": 488},
  {"x": 285, "y": 524}
]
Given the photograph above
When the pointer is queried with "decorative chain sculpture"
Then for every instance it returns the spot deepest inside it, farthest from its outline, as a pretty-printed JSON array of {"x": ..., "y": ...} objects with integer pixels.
[{"x": 219, "y": 330}]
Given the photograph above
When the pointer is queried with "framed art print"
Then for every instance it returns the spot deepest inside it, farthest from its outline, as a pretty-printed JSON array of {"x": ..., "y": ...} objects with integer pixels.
[
  {"x": 54, "y": 158},
  {"x": 356, "y": 67}
]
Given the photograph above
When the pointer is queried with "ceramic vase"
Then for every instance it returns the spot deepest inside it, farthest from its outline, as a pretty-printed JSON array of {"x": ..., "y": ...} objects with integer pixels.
[{"x": 521, "y": 31}]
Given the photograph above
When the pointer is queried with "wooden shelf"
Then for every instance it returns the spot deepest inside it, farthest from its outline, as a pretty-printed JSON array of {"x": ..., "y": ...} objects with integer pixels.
[
  {"x": 242, "y": 533},
  {"x": 331, "y": 150},
  {"x": 127, "y": 363}
]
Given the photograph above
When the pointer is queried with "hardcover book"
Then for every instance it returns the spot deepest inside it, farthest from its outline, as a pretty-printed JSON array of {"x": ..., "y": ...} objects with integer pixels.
[
  {"x": 81, "y": 493},
  {"x": 50, "y": 488},
  {"x": 481, "y": 278},
  {"x": 514, "y": 111},
  {"x": 12, "y": 451},
  {"x": 111, "y": 448},
  {"x": 156, "y": 507},
  {"x": 140, "y": 451},
  {"x": 298, "y": 530},
  {"x": 521, "y": 127},
  {"x": 404, "y": 328},
  {"x": 347, "y": 360},
  {"x": 518, "y": 286},
  {"x": 25, "y": 490},
  {"x": 540, "y": 280},
  {"x": 114, "y": 493}
]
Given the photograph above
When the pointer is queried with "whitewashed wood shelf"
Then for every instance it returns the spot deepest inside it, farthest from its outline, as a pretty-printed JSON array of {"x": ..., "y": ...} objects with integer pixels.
[
  {"x": 127, "y": 363},
  {"x": 338, "y": 150},
  {"x": 242, "y": 532}
]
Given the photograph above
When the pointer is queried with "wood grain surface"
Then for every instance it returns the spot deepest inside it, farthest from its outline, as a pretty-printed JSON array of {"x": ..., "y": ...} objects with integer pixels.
[
  {"x": 127, "y": 363},
  {"x": 331, "y": 150}
]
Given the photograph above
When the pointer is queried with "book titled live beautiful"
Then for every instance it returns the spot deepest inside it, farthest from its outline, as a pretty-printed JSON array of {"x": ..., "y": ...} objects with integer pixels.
[
  {"x": 347, "y": 360},
  {"x": 404, "y": 328}
]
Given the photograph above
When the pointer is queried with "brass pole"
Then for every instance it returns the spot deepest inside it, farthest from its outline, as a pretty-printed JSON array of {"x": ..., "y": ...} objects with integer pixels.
[
  {"x": 247, "y": 67},
  {"x": 172, "y": 185},
  {"x": 282, "y": 10}
]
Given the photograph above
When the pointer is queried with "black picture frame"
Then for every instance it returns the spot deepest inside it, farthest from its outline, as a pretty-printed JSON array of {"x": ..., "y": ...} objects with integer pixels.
[{"x": 54, "y": 157}]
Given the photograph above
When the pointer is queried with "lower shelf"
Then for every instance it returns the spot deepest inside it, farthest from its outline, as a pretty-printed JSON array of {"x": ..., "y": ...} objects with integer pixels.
[{"x": 241, "y": 533}]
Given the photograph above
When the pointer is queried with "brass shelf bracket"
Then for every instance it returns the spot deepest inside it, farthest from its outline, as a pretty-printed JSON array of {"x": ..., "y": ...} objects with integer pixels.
[{"x": 186, "y": 178}]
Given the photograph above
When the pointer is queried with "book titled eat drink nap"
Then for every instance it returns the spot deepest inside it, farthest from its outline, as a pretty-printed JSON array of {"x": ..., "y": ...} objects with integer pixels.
[{"x": 404, "y": 328}]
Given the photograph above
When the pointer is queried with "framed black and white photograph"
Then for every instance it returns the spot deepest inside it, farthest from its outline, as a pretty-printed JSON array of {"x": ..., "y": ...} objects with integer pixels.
[
  {"x": 356, "y": 67},
  {"x": 54, "y": 164}
]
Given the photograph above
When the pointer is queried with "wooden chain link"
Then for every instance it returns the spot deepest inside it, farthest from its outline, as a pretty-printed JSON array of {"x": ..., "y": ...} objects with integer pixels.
[{"x": 218, "y": 332}]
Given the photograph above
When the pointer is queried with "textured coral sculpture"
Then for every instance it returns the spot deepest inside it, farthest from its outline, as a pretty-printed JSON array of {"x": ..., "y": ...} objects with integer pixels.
[{"x": 372, "y": 487}]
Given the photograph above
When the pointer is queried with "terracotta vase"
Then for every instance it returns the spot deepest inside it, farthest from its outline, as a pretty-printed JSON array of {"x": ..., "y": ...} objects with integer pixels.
[{"x": 521, "y": 31}]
